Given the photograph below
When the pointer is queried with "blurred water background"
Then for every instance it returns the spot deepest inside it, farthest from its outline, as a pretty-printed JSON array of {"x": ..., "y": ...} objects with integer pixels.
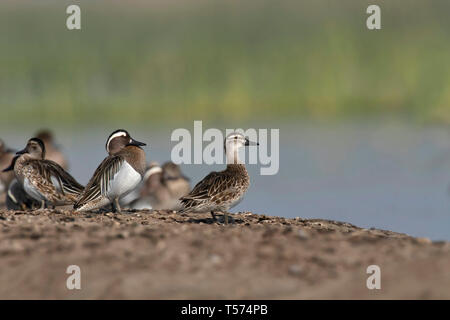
[{"x": 363, "y": 115}]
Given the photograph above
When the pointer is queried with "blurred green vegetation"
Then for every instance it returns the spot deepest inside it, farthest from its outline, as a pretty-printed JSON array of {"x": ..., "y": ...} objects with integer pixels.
[{"x": 156, "y": 62}]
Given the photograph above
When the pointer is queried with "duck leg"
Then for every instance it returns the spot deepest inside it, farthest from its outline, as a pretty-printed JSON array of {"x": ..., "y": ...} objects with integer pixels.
[
  {"x": 117, "y": 205},
  {"x": 228, "y": 218}
]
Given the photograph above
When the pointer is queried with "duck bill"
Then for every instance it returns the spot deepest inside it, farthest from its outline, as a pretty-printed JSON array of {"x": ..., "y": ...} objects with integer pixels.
[
  {"x": 251, "y": 143},
  {"x": 11, "y": 166},
  {"x": 22, "y": 151},
  {"x": 137, "y": 143}
]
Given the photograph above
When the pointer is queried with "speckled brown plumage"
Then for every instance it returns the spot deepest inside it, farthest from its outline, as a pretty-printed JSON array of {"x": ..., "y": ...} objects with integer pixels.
[
  {"x": 218, "y": 191},
  {"x": 40, "y": 174},
  {"x": 44, "y": 180}
]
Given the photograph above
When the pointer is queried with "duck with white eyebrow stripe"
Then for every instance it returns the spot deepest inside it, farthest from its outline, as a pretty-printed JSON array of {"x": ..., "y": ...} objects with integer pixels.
[
  {"x": 117, "y": 175},
  {"x": 117, "y": 141},
  {"x": 162, "y": 187},
  {"x": 220, "y": 191},
  {"x": 43, "y": 180}
]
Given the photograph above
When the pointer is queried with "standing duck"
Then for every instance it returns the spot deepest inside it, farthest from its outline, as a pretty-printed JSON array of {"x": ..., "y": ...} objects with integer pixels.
[
  {"x": 220, "y": 191},
  {"x": 117, "y": 175}
]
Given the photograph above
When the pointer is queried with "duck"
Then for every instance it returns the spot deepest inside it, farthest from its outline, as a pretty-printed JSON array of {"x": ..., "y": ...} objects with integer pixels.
[
  {"x": 117, "y": 175},
  {"x": 221, "y": 191},
  {"x": 18, "y": 199},
  {"x": 6, "y": 156},
  {"x": 162, "y": 187},
  {"x": 150, "y": 181},
  {"x": 43, "y": 180},
  {"x": 177, "y": 183}
]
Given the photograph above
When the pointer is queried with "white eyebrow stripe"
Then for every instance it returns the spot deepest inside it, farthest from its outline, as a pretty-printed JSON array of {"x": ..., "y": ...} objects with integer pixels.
[
  {"x": 115, "y": 135},
  {"x": 151, "y": 172},
  {"x": 235, "y": 136}
]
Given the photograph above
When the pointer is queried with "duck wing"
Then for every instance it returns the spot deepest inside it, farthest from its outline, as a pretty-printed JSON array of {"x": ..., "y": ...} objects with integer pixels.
[
  {"x": 52, "y": 181},
  {"x": 59, "y": 177},
  {"x": 99, "y": 184},
  {"x": 215, "y": 187}
]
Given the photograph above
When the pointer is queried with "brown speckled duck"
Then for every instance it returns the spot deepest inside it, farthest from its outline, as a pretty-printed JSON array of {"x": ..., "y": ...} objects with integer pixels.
[
  {"x": 44, "y": 180},
  {"x": 220, "y": 191}
]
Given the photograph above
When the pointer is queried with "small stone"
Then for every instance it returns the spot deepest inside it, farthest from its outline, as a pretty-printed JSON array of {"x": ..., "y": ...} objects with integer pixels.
[
  {"x": 215, "y": 259},
  {"x": 123, "y": 235},
  {"x": 35, "y": 235},
  {"x": 423, "y": 240},
  {"x": 301, "y": 234},
  {"x": 295, "y": 269},
  {"x": 161, "y": 245}
]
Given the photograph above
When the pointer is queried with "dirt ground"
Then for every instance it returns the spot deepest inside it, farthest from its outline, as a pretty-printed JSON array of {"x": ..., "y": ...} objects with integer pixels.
[{"x": 165, "y": 255}]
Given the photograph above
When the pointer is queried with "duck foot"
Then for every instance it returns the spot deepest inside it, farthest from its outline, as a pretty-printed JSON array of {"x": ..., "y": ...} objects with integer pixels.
[
  {"x": 117, "y": 206},
  {"x": 226, "y": 219}
]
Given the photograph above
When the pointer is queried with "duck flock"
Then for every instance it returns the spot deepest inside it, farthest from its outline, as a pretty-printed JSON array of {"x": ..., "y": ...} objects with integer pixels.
[{"x": 37, "y": 177}]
